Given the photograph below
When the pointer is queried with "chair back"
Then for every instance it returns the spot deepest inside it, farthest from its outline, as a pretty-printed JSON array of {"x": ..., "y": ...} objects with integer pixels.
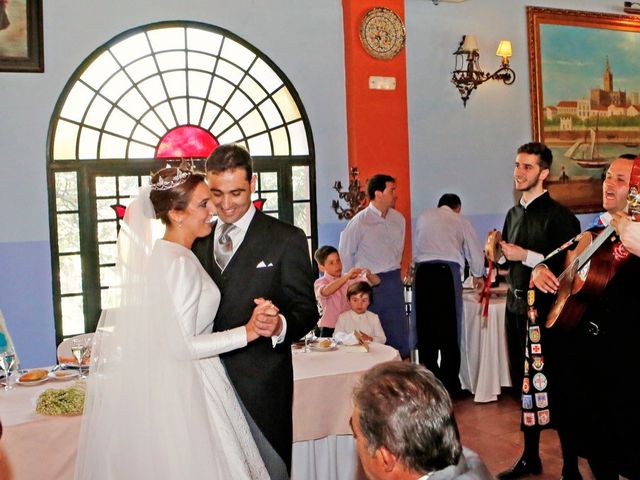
[{"x": 64, "y": 349}]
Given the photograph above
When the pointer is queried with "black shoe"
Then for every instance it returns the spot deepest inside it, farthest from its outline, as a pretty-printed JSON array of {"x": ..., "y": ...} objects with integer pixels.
[{"x": 522, "y": 468}]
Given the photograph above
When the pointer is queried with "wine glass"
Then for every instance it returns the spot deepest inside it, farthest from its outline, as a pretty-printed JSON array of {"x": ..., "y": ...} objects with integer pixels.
[
  {"x": 7, "y": 359},
  {"x": 310, "y": 336},
  {"x": 79, "y": 350}
]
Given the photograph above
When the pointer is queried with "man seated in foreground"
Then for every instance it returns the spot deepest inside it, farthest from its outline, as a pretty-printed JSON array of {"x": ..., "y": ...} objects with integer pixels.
[{"x": 404, "y": 427}]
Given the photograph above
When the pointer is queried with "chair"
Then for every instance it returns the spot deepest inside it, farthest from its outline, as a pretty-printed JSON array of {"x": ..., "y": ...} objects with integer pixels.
[{"x": 64, "y": 349}]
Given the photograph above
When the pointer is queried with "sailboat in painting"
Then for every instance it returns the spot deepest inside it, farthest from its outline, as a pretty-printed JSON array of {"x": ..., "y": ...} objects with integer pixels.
[{"x": 585, "y": 151}]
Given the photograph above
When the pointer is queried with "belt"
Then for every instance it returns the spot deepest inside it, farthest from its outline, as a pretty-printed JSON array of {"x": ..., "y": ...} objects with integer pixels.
[{"x": 519, "y": 293}]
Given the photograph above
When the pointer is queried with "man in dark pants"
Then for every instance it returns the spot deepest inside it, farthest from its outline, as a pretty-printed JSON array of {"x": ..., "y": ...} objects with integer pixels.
[
  {"x": 444, "y": 240},
  {"x": 533, "y": 228},
  {"x": 262, "y": 257},
  {"x": 374, "y": 239},
  {"x": 600, "y": 355}
]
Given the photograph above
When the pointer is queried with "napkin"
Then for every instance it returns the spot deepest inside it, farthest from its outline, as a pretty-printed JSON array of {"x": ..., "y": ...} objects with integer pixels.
[
  {"x": 468, "y": 282},
  {"x": 346, "y": 338}
]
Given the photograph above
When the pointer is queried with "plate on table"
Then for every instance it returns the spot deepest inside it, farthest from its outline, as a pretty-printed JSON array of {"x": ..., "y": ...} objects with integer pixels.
[
  {"x": 63, "y": 374},
  {"x": 37, "y": 381},
  {"x": 323, "y": 345},
  {"x": 74, "y": 366}
]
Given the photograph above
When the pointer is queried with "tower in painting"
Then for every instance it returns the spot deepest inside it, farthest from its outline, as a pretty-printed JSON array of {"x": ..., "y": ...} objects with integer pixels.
[{"x": 603, "y": 97}]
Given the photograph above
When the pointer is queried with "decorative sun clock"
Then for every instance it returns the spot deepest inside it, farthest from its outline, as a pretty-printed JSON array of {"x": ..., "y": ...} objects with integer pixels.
[{"x": 382, "y": 33}]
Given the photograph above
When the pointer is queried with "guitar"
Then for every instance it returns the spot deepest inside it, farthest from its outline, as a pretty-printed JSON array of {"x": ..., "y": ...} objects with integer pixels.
[{"x": 591, "y": 265}]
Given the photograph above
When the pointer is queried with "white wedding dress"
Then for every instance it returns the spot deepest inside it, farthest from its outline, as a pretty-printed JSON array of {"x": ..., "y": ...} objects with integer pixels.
[
  {"x": 182, "y": 420},
  {"x": 197, "y": 298}
]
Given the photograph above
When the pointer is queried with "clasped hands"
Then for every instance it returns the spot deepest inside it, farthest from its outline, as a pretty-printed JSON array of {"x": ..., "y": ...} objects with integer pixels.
[
  {"x": 265, "y": 320},
  {"x": 356, "y": 272}
]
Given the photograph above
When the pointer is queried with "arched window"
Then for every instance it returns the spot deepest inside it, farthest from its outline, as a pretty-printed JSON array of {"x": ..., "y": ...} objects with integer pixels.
[{"x": 154, "y": 95}]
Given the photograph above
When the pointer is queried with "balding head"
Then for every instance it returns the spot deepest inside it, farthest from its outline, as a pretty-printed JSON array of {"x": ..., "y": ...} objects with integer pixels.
[{"x": 615, "y": 187}]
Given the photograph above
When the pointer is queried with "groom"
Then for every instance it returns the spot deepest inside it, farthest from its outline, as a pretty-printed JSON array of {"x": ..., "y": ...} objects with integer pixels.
[{"x": 251, "y": 255}]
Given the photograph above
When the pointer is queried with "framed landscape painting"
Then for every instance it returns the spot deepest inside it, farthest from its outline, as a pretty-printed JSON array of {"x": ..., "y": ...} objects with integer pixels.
[
  {"x": 584, "y": 72},
  {"x": 21, "y": 36}
]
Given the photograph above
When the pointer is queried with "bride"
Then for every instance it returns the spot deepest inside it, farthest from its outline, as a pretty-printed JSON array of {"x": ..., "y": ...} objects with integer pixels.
[{"x": 159, "y": 404}]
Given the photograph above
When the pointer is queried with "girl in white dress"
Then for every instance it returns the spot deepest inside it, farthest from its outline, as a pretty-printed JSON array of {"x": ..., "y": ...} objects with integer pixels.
[{"x": 159, "y": 404}]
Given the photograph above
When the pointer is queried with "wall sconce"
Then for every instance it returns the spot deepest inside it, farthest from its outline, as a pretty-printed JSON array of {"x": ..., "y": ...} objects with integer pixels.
[
  {"x": 354, "y": 197},
  {"x": 468, "y": 74}
]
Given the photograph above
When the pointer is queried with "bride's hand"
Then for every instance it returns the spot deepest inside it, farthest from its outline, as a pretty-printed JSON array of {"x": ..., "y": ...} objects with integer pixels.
[{"x": 265, "y": 320}]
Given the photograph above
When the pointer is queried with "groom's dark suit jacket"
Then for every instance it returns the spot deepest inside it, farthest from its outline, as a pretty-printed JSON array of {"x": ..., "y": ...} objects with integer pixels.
[{"x": 271, "y": 262}]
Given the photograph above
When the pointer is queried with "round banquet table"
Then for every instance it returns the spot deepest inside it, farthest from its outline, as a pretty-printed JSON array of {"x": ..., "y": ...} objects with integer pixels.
[{"x": 42, "y": 447}]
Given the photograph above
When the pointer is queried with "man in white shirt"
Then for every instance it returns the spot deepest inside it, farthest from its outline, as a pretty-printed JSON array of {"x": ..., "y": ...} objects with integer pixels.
[
  {"x": 404, "y": 427},
  {"x": 374, "y": 239},
  {"x": 444, "y": 239}
]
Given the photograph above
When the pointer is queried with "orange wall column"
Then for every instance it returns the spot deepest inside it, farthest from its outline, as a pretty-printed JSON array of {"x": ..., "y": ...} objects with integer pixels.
[{"x": 377, "y": 123}]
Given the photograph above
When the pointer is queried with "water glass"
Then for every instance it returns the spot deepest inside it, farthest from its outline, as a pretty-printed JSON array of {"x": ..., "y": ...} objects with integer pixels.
[
  {"x": 7, "y": 359},
  {"x": 79, "y": 349},
  {"x": 310, "y": 336}
]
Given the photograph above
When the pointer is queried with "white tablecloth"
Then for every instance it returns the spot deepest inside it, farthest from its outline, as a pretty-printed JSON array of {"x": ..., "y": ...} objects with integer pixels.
[
  {"x": 484, "y": 365},
  {"x": 41, "y": 447}
]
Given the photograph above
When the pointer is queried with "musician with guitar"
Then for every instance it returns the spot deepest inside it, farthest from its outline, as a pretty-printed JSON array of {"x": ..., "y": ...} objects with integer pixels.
[
  {"x": 596, "y": 308},
  {"x": 532, "y": 229}
]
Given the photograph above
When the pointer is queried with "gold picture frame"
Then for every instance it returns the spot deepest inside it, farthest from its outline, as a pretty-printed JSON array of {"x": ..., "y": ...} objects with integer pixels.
[{"x": 577, "y": 63}]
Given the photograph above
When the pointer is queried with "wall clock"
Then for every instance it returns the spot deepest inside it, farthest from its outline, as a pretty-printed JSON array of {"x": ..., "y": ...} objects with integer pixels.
[{"x": 382, "y": 33}]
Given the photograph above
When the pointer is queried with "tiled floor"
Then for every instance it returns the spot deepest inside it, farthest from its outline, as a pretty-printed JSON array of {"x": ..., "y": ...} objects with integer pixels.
[{"x": 493, "y": 431}]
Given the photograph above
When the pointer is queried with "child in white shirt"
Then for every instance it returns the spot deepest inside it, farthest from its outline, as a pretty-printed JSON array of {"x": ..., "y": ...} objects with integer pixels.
[{"x": 358, "y": 318}]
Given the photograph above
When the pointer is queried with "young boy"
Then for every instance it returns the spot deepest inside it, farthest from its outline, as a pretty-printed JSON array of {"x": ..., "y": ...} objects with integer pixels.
[
  {"x": 358, "y": 318},
  {"x": 331, "y": 288}
]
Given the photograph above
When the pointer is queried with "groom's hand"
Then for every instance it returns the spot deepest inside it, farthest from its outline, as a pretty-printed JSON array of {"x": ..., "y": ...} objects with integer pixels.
[{"x": 268, "y": 322}]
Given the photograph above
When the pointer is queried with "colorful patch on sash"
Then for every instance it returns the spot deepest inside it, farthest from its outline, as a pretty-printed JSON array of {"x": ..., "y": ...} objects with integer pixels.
[
  {"x": 533, "y": 315},
  {"x": 542, "y": 400},
  {"x": 527, "y": 402},
  {"x": 538, "y": 362},
  {"x": 540, "y": 381},
  {"x": 525, "y": 385},
  {"x": 534, "y": 334},
  {"x": 531, "y": 297},
  {"x": 529, "y": 418},
  {"x": 544, "y": 417},
  {"x": 536, "y": 349},
  {"x": 526, "y": 366}
]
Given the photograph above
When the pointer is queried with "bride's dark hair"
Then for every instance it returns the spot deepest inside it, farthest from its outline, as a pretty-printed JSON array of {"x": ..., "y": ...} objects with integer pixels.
[{"x": 171, "y": 189}]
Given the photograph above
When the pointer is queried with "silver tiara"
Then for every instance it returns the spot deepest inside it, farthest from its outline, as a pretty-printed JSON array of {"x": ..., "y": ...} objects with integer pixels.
[{"x": 163, "y": 184}]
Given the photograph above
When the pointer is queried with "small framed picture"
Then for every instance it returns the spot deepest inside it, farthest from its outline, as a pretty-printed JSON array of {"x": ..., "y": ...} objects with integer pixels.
[{"x": 21, "y": 48}]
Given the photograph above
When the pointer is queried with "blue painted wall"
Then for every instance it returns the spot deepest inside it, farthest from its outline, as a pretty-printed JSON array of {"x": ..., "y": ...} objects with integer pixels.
[{"x": 465, "y": 150}]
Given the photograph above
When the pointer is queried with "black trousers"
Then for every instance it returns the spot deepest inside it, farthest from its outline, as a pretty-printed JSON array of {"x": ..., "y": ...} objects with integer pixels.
[
  {"x": 436, "y": 323},
  {"x": 516, "y": 333}
]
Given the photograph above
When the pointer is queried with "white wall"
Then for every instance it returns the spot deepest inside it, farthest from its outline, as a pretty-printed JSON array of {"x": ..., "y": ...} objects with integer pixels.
[{"x": 469, "y": 151}]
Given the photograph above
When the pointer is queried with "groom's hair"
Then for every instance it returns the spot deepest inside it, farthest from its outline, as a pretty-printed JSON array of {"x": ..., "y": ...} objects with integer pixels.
[{"x": 229, "y": 157}]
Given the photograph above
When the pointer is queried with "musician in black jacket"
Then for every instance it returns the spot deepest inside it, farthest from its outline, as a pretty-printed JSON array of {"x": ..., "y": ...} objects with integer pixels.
[
  {"x": 601, "y": 354},
  {"x": 533, "y": 228}
]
